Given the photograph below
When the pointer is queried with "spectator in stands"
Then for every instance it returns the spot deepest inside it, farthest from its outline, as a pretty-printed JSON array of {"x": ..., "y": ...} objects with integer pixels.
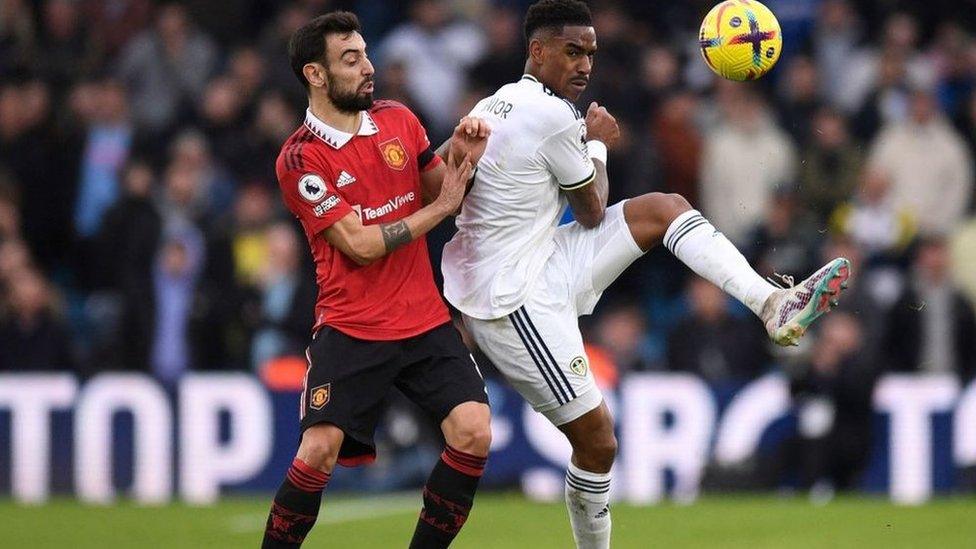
[
  {"x": 620, "y": 332},
  {"x": 287, "y": 297},
  {"x": 175, "y": 276},
  {"x": 886, "y": 102},
  {"x": 860, "y": 299},
  {"x": 678, "y": 142},
  {"x": 107, "y": 144},
  {"x": 932, "y": 328},
  {"x": 17, "y": 35},
  {"x": 65, "y": 49},
  {"x": 117, "y": 22},
  {"x": 785, "y": 242},
  {"x": 660, "y": 78},
  {"x": 710, "y": 342},
  {"x": 437, "y": 51},
  {"x": 956, "y": 71},
  {"x": 832, "y": 398},
  {"x": 166, "y": 68},
  {"x": 228, "y": 301},
  {"x": 274, "y": 43},
  {"x": 841, "y": 59},
  {"x": 246, "y": 68},
  {"x": 734, "y": 194},
  {"x": 504, "y": 57},
  {"x": 612, "y": 83},
  {"x": 181, "y": 201},
  {"x": 873, "y": 220},
  {"x": 274, "y": 121},
  {"x": 190, "y": 152},
  {"x": 43, "y": 163},
  {"x": 878, "y": 79},
  {"x": 127, "y": 244},
  {"x": 830, "y": 165},
  {"x": 221, "y": 112},
  {"x": 930, "y": 167},
  {"x": 799, "y": 99},
  {"x": 33, "y": 337}
]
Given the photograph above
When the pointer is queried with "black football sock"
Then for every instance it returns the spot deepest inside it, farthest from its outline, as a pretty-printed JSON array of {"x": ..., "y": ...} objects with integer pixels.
[
  {"x": 295, "y": 506},
  {"x": 448, "y": 497}
]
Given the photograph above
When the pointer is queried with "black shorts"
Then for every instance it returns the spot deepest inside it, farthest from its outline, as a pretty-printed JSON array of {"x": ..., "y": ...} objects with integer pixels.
[{"x": 348, "y": 380}]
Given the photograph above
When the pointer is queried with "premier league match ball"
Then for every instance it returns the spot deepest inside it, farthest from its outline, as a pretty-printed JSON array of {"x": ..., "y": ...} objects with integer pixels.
[{"x": 740, "y": 39}]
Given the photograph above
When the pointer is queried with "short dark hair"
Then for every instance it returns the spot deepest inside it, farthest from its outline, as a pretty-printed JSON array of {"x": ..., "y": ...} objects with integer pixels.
[
  {"x": 556, "y": 14},
  {"x": 307, "y": 44}
]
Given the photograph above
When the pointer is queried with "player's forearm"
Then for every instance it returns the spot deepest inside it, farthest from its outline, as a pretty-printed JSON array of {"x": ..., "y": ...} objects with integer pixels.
[
  {"x": 444, "y": 149},
  {"x": 589, "y": 204},
  {"x": 376, "y": 241},
  {"x": 601, "y": 183}
]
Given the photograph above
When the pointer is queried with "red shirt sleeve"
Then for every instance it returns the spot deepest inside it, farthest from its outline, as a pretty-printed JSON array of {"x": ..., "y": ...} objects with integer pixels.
[
  {"x": 312, "y": 199},
  {"x": 426, "y": 156}
]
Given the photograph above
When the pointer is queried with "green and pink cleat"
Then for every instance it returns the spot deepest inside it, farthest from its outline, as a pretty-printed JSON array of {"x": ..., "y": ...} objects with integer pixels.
[{"x": 788, "y": 312}]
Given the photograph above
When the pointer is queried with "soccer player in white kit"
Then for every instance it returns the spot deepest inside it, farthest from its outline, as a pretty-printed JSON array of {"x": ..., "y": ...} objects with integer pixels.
[{"x": 521, "y": 281}]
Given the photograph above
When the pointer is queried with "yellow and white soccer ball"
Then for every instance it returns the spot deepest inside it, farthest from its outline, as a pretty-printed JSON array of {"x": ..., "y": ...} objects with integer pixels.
[{"x": 740, "y": 39}]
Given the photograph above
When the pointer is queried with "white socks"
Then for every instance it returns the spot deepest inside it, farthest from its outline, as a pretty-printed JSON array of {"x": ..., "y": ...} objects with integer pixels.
[
  {"x": 693, "y": 240},
  {"x": 588, "y": 501}
]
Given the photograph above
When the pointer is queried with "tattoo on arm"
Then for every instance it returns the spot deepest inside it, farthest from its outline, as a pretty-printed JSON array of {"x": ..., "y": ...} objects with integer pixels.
[{"x": 395, "y": 235}]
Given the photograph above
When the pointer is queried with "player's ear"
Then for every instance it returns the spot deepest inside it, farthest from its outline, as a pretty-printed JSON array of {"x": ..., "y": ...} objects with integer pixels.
[
  {"x": 537, "y": 50},
  {"x": 315, "y": 74}
]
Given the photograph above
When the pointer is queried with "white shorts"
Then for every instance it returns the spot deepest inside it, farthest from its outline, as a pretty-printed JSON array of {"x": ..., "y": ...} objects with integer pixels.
[{"x": 539, "y": 347}]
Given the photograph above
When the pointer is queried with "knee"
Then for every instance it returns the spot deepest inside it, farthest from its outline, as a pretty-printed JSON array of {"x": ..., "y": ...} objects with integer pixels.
[
  {"x": 469, "y": 431},
  {"x": 597, "y": 453},
  {"x": 650, "y": 215},
  {"x": 320, "y": 447},
  {"x": 676, "y": 203},
  {"x": 658, "y": 209},
  {"x": 665, "y": 207}
]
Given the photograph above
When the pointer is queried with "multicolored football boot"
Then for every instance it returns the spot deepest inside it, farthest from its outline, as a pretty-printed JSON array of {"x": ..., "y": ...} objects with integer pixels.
[{"x": 788, "y": 312}]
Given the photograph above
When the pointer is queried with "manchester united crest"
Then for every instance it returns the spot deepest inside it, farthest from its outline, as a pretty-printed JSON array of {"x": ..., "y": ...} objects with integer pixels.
[
  {"x": 393, "y": 153},
  {"x": 319, "y": 396}
]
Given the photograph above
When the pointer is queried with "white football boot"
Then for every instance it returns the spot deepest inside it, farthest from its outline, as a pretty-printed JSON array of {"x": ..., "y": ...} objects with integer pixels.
[{"x": 788, "y": 312}]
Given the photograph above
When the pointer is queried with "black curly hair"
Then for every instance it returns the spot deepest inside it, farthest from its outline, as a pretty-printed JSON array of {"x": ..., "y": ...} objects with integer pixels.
[{"x": 555, "y": 14}]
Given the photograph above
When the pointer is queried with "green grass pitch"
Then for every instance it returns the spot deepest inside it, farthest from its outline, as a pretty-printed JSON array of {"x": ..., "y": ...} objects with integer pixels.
[{"x": 503, "y": 521}]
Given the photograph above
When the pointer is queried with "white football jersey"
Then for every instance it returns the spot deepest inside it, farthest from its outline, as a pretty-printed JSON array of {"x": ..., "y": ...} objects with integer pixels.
[{"x": 508, "y": 220}]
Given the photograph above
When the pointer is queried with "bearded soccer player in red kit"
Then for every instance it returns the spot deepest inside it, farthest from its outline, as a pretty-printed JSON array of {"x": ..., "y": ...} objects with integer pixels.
[{"x": 366, "y": 185}]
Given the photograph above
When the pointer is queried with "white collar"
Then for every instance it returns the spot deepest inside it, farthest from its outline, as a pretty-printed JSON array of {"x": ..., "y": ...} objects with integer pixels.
[{"x": 338, "y": 138}]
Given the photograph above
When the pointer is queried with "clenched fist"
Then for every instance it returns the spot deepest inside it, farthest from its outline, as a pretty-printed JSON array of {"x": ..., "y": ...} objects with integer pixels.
[{"x": 601, "y": 125}]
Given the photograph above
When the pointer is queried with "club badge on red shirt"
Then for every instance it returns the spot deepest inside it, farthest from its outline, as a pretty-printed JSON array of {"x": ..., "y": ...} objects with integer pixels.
[{"x": 394, "y": 153}]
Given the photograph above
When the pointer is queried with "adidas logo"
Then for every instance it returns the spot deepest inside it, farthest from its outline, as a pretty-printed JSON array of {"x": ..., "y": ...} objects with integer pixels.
[
  {"x": 603, "y": 513},
  {"x": 344, "y": 179}
]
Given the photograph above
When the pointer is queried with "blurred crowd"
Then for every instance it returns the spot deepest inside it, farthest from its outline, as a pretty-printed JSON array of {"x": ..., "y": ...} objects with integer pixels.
[{"x": 141, "y": 227}]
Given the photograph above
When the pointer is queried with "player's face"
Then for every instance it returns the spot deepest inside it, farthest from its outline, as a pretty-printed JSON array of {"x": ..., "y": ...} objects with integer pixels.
[
  {"x": 349, "y": 73},
  {"x": 568, "y": 60}
]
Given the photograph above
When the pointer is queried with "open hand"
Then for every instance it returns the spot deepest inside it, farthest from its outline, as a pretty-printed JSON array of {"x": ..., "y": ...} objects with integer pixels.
[{"x": 455, "y": 182}]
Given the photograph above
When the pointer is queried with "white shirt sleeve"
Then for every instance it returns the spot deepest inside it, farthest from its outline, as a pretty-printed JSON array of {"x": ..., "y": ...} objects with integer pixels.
[{"x": 565, "y": 154}]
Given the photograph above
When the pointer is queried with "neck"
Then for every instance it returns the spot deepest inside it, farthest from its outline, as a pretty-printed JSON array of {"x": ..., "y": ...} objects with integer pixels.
[
  {"x": 324, "y": 110},
  {"x": 534, "y": 71}
]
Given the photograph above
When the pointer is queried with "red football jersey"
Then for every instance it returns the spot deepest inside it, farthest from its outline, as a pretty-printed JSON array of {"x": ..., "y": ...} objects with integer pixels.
[{"x": 325, "y": 174}]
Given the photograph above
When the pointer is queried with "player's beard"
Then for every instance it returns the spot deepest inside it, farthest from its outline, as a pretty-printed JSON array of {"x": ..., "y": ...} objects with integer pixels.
[{"x": 349, "y": 102}]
